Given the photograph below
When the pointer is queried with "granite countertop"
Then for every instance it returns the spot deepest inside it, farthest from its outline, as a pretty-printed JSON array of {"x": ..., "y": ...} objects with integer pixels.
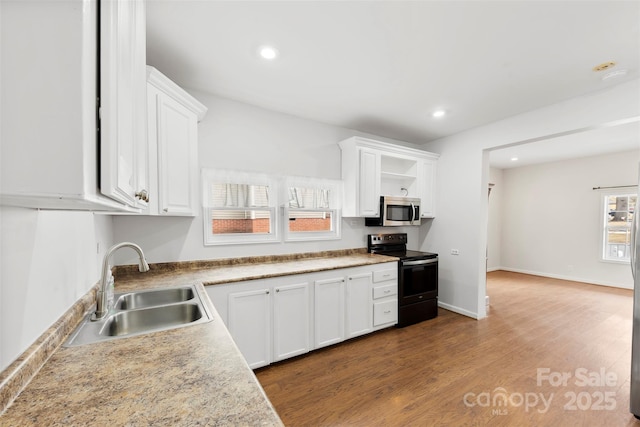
[
  {"x": 240, "y": 269},
  {"x": 187, "y": 376}
]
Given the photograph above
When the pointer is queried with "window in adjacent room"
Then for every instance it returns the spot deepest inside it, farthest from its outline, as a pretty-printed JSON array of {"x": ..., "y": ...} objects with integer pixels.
[
  {"x": 239, "y": 207},
  {"x": 618, "y": 216}
]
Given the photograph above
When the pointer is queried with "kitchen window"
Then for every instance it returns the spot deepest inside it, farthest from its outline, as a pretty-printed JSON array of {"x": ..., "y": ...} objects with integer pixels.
[
  {"x": 618, "y": 212},
  {"x": 239, "y": 207},
  {"x": 312, "y": 211}
]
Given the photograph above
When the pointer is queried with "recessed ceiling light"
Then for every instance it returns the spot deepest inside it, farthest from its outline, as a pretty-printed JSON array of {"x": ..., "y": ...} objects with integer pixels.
[
  {"x": 268, "y": 52},
  {"x": 604, "y": 66},
  {"x": 514, "y": 159},
  {"x": 438, "y": 113}
]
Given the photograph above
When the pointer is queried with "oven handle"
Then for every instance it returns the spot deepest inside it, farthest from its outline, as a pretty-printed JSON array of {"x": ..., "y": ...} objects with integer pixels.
[{"x": 420, "y": 262}]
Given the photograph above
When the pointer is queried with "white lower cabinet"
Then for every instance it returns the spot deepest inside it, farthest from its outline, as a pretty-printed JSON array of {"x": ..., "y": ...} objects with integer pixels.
[
  {"x": 249, "y": 320},
  {"x": 290, "y": 321},
  {"x": 358, "y": 301},
  {"x": 278, "y": 318},
  {"x": 268, "y": 319},
  {"x": 385, "y": 298},
  {"x": 329, "y": 311}
]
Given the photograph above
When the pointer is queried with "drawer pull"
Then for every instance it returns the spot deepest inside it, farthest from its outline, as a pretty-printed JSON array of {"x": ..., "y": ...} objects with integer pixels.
[
  {"x": 387, "y": 291},
  {"x": 387, "y": 311}
]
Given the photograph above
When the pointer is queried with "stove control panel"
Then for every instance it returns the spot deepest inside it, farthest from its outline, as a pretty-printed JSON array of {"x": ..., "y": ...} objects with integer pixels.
[{"x": 381, "y": 239}]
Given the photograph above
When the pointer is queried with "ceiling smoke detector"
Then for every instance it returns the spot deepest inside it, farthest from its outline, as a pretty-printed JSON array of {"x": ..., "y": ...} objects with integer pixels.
[{"x": 604, "y": 66}]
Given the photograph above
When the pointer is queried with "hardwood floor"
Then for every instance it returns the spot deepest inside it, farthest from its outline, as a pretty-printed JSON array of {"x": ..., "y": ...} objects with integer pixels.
[{"x": 454, "y": 371}]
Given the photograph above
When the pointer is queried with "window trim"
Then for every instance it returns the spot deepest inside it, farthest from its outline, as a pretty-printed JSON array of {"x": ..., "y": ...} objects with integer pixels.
[
  {"x": 210, "y": 176},
  {"x": 335, "y": 200}
]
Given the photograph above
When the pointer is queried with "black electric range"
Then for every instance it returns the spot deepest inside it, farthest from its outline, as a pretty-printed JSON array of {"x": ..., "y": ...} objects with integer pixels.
[{"x": 417, "y": 277}]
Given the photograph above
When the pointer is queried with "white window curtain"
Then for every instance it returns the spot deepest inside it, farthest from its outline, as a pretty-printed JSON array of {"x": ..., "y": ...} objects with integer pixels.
[
  {"x": 239, "y": 195},
  {"x": 233, "y": 189},
  {"x": 309, "y": 198},
  {"x": 312, "y": 193}
]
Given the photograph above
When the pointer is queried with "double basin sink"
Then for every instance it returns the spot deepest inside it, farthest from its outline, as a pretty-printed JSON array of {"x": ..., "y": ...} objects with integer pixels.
[{"x": 141, "y": 312}]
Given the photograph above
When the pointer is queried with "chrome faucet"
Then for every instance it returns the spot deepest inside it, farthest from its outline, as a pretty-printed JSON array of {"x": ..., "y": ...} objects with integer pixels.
[{"x": 104, "y": 297}]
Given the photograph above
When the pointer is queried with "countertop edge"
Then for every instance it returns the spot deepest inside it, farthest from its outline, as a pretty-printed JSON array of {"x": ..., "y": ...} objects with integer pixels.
[{"x": 16, "y": 377}]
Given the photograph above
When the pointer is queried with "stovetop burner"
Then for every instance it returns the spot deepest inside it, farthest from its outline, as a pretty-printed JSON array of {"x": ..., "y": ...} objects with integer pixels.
[{"x": 395, "y": 245}]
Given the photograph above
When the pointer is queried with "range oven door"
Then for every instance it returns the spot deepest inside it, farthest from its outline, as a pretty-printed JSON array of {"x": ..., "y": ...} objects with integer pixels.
[{"x": 417, "y": 281}]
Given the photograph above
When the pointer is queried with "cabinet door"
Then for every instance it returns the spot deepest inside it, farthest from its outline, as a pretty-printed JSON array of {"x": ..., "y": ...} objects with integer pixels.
[
  {"x": 358, "y": 304},
  {"x": 290, "y": 321},
  {"x": 177, "y": 157},
  {"x": 369, "y": 183},
  {"x": 426, "y": 188},
  {"x": 123, "y": 140},
  {"x": 250, "y": 325},
  {"x": 329, "y": 311}
]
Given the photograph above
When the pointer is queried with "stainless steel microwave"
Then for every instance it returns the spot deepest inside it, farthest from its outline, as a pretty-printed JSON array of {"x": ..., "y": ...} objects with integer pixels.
[{"x": 396, "y": 211}]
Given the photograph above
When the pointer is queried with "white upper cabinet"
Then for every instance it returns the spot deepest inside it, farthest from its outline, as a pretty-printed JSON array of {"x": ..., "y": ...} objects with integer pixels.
[
  {"x": 51, "y": 155},
  {"x": 371, "y": 169},
  {"x": 173, "y": 117},
  {"x": 426, "y": 185},
  {"x": 123, "y": 131},
  {"x": 49, "y": 108}
]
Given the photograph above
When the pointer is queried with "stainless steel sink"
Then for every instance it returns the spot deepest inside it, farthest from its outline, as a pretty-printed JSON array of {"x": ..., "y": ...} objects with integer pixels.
[
  {"x": 137, "y": 313},
  {"x": 133, "y": 300},
  {"x": 146, "y": 319}
]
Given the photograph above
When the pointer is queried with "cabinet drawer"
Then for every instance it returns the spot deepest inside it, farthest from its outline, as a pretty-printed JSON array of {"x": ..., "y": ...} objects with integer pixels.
[
  {"x": 385, "y": 291},
  {"x": 384, "y": 275},
  {"x": 385, "y": 312}
]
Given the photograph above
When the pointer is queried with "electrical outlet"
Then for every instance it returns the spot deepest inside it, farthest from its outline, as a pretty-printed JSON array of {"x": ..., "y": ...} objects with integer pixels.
[{"x": 455, "y": 252}]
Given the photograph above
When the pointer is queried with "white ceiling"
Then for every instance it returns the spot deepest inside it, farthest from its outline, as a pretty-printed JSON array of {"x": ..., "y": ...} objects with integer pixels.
[
  {"x": 383, "y": 66},
  {"x": 591, "y": 142}
]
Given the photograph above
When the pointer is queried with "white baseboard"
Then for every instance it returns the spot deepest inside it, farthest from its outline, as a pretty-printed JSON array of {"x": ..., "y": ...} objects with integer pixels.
[
  {"x": 489, "y": 270},
  {"x": 458, "y": 310},
  {"x": 563, "y": 277}
]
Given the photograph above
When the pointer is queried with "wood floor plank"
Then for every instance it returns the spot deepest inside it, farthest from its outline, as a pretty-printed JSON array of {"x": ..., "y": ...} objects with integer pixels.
[{"x": 453, "y": 370}]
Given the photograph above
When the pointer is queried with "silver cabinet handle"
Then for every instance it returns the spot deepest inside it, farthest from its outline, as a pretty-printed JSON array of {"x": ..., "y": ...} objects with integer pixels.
[
  {"x": 387, "y": 312},
  {"x": 143, "y": 195}
]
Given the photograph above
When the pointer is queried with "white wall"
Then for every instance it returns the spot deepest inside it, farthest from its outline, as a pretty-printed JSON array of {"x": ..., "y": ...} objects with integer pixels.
[
  {"x": 553, "y": 218},
  {"x": 239, "y": 136},
  {"x": 49, "y": 260},
  {"x": 463, "y": 176},
  {"x": 494, "y": 229}
]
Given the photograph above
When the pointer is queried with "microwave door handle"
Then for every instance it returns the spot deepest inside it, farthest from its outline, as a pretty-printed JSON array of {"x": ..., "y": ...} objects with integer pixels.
[{"x": 413, "y": 213}]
